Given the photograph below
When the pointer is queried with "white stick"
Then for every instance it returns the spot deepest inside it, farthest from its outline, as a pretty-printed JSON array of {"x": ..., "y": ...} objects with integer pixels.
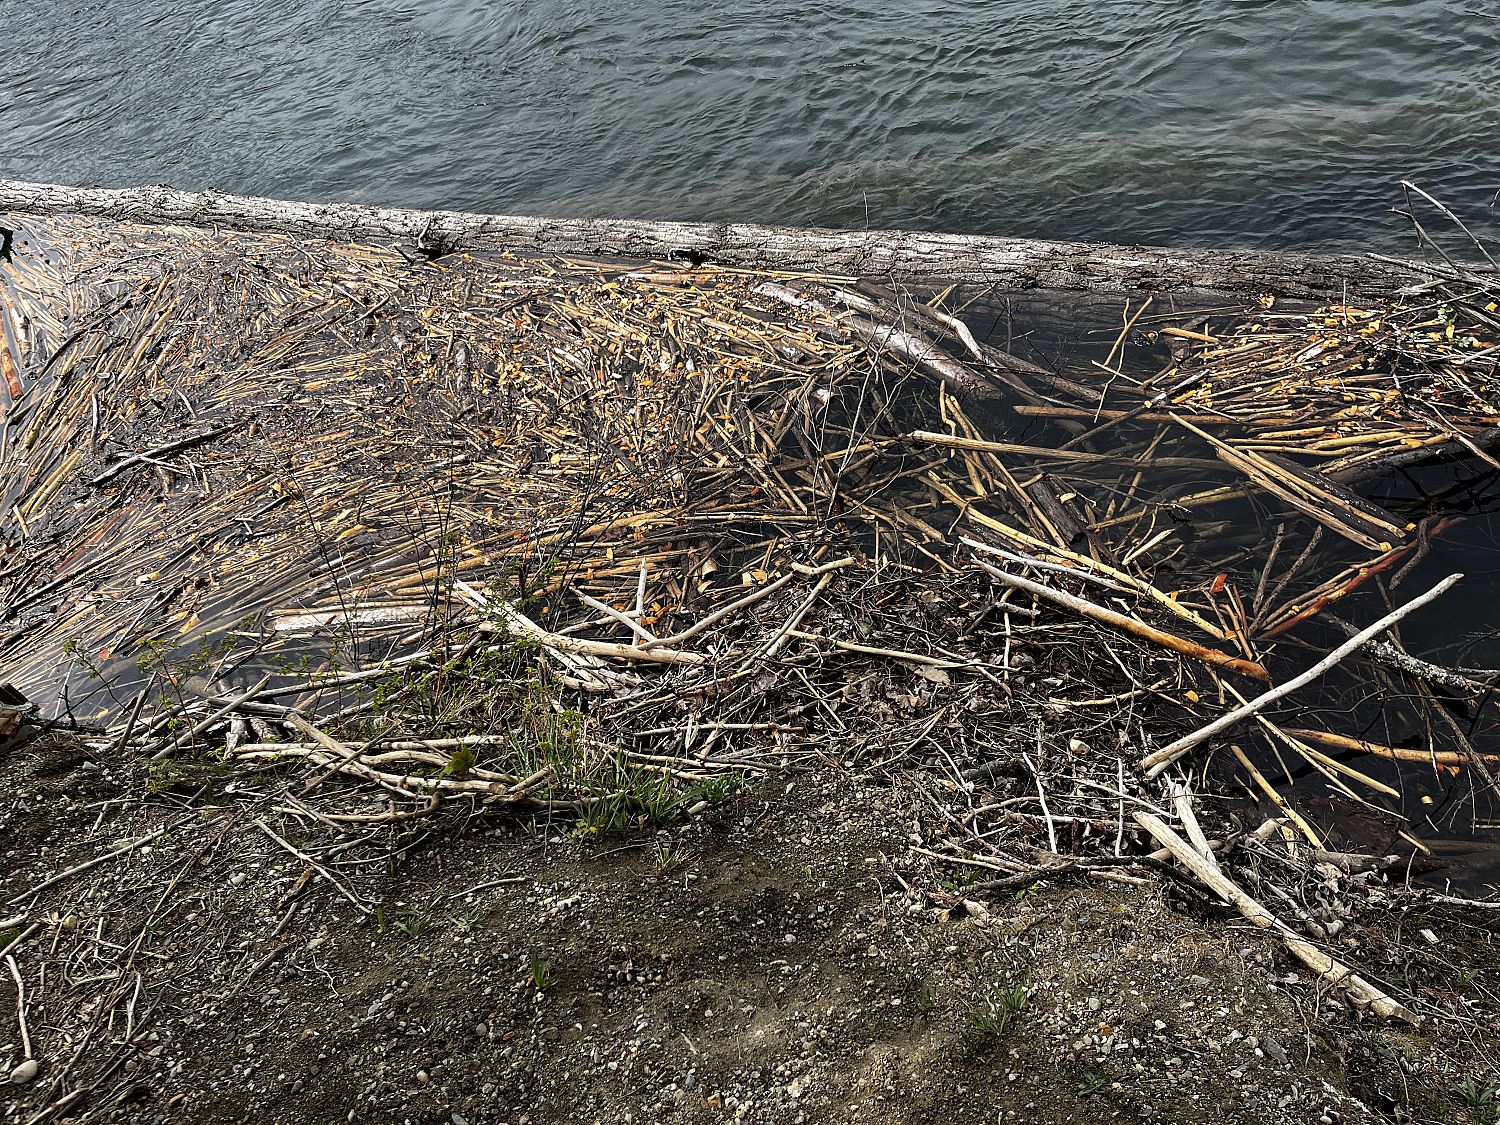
[
  {"x": 1182, "y": 799},
  {"x": 1154, "y": 763},
  {"x": 10, "y": 963},
  {"x": 631, "y": 623},
  {"x": 1329, "y": 968}
]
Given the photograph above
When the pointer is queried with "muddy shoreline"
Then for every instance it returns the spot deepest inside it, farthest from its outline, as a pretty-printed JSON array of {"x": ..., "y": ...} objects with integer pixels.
[{"x": 785, "y": 956}]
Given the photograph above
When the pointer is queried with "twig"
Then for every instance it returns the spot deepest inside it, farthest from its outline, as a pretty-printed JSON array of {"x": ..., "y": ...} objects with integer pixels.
[
  {"x": 1154, "y": 763},
  {"x": 724, "y": 611},
  {"x": 127, "y": 846},
  {"x": 10, "y": 963},
  {"x": 160, "y": 450},
  {"x": 1393, "y": 657},
  {"x": 198, "y": 728},
  {"x": 1041, "y": 794},
  {"x": 1128, "y": 624},
  {"x": 315, "y": 865},
  {"x": 1182, "y": 802},
  {"x": 1329, "y": 968}
]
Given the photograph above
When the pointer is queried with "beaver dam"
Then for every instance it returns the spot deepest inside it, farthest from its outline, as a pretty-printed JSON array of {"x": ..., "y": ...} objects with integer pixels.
[{"x": 371, "y": 536}]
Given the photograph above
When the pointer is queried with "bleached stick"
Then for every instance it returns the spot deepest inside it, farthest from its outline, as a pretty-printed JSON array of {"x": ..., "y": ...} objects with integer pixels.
[
  {"x": 1155, "y": 762},
  {"x": 1329, "y": 968}
]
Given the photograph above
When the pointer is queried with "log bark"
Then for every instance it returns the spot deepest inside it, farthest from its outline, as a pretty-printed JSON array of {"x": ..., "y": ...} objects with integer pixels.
[{"x": 912, "y": 256}]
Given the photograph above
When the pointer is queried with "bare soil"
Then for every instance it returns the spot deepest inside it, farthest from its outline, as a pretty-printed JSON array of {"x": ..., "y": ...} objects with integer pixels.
[{"x": 783, "y": 957}]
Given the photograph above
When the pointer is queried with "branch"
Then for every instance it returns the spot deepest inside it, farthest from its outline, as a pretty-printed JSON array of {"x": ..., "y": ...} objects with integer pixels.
[{"x": 1154, "y": 763}]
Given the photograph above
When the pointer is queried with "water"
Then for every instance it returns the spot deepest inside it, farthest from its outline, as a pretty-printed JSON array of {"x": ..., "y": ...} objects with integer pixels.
[{"x": 1272, "y": 123}]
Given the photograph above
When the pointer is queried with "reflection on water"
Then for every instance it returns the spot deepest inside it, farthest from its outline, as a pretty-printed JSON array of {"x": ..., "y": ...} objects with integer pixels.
[{"x": 1215, "y": 122}]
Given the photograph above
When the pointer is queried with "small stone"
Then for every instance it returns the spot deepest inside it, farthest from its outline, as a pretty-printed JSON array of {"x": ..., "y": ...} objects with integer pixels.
[
  {"x": 24, "y": 1073},
  {"x": 238, "y": 879},
  {"x": 422, "y": 1078},
  {"x": 1095, "y": 1003}
]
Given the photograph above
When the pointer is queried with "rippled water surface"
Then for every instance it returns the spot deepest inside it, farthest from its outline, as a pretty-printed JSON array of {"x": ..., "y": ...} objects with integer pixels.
[{"x": 1229, "y": 122}]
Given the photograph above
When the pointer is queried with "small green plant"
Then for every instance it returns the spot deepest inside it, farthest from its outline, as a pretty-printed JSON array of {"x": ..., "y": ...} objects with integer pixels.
[
  {"x": 1481, "y": 1098},
  {"x": 539, "y": 973},
  {"x": 466, "y": 922},
  {"x": 960, "y": 878},
  {"x": 414, "y": 921},
  {"x": 460, "y": 764},
  {"x": 163, "y": 776},
  {"x": 71, "y": 648},
  {"x": 668, "y": 858},
  {"x": 1093, "y": 1084},
  {"x": 998, "y": 1005}
]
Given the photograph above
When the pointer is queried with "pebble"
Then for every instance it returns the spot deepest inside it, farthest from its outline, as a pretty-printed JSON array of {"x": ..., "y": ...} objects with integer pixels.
[
  {"x": 237, "y": 879},
  {"x": 422, "y": 1078},
  {"x": 1095, "y": 1003},
  {"x": 24, "y": 1073}
]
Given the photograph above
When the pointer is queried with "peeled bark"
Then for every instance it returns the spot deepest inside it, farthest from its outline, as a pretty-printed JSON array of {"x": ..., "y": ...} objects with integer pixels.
[{"x": 912, "y": 256}]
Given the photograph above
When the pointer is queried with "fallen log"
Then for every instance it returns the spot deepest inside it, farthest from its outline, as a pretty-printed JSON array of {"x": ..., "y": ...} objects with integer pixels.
[{"x": 1010, "y": 263}]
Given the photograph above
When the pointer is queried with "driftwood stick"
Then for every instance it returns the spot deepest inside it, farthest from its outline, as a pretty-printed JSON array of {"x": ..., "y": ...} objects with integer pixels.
[
  {"x": 913, "y": 345},
  {"x": 1329, "y": 968},
  {"x": 1182, "y": 803},
  {"x": 1392, "y": 657},
  {"x": 1015, "y": 535},
  {"x": 337, "y": 884},
  {"x": 1154, "y": 763},
  {"x": 198, "y": 728},
  {"x": 913, "y": 255},
  {"x": 1396, "y": 753},
  {"x": 148, "y": 455},
  {"x": 512, "y": 621},
  {"x": 631, "y": 623},
  {"x": 722, "y": 612},
  {"x": 1128, "y": 624},
  {"x": 15, "y": 972}
]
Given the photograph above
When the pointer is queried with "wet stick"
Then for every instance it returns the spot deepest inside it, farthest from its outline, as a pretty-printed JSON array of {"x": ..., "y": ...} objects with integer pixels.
[
  {"x": 1154, "y": 763},
  {"x": 1128, "y": 624},
  {"x": 1395, "y": 753}
]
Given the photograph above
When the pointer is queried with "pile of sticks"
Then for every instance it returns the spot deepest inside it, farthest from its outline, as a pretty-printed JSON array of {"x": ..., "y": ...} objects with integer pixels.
[{"x": 588, "y": 539}]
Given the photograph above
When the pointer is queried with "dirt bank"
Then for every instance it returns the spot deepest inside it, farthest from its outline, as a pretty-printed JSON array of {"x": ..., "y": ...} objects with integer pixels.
[{"x": 783, "y": 957}]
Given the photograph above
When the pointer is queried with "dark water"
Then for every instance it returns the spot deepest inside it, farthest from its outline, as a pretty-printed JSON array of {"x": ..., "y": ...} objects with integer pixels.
[{"x": 1227, "y": 122}]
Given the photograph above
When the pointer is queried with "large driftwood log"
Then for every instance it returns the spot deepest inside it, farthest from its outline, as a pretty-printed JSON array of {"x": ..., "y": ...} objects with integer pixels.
[{"x": 1010, "y": 263}]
